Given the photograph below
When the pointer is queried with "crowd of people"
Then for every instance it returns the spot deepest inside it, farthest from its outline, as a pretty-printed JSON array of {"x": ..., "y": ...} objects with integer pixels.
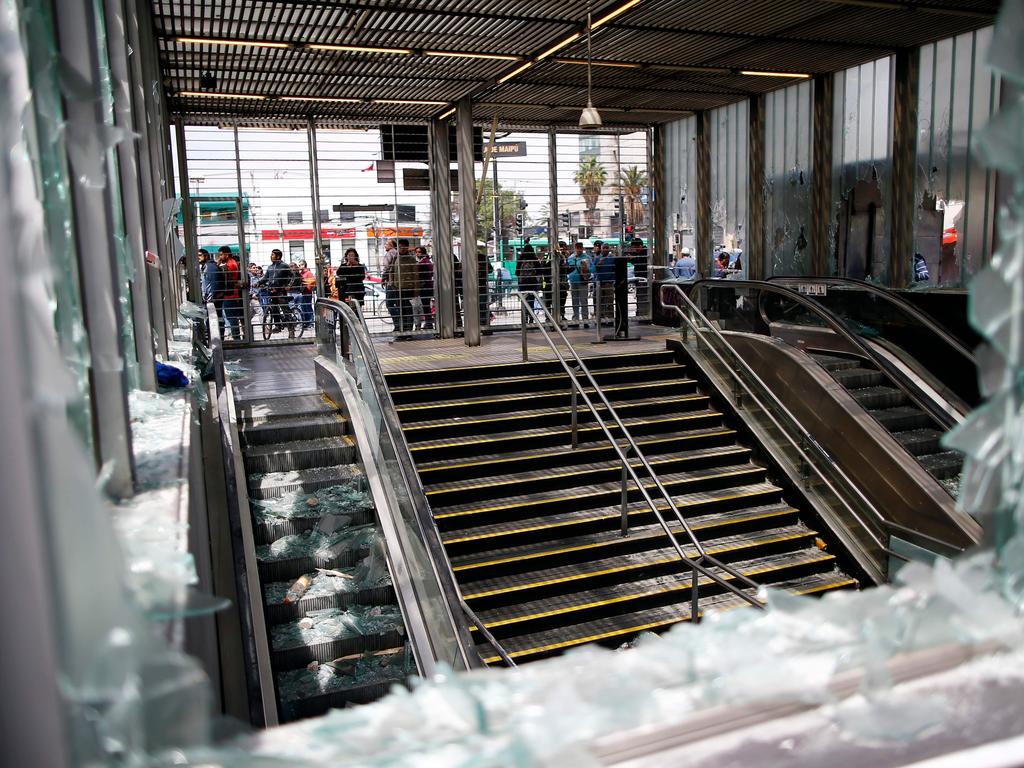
[{"x": 724, "y": 264}]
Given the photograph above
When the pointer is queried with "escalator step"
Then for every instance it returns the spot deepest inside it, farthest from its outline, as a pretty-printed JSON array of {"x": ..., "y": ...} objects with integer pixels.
[
  {"x": 272, "y": 485},
  {"x": 522, "y": 483},
  {"x": 473, "y": 445},
  {"x": 919, "y": 441},
  {"x": 858, "y": 378},
  {"x": 278, "y": 612},
  {"x": 300, "y": 454},
  {"x": 559, "y": 398},
  {"x": 673, "y": 587},
  {"x": 902, "y": 418},
  {"x": 872, "y": 398},
  {"x": 290, "y": 429},
  {"x": 291, "y": 407},
  {"x": 508, "y": 507},
  {"x": 700, "y": 511},
  {"x": 944, "y": 465},
  {"x": 615, "y": 630},
  {"x": 836, "y": 363},
  {"x": 624, "y": 567}
]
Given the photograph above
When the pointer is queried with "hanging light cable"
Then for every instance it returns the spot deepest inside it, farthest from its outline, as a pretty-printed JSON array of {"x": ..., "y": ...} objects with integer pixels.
[{"x": 590, "y": 118}]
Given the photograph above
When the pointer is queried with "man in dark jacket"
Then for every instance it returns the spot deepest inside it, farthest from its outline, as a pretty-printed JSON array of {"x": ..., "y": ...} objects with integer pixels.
[
  {"x": 402, "y": 283},
  {"x": 277, "y": 278}
]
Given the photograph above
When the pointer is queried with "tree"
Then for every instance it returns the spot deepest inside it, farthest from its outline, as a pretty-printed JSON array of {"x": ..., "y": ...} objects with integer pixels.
[
  {"x": 632, "y": 180},
  {"x": 508, "y": 207},
  {"x": 591, "y": 177}
]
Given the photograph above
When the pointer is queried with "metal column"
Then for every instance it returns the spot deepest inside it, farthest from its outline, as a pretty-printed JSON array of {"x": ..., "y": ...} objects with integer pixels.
[
  {"x": 131, "y": 202},
  {"x": 821, "y": 176},
  {"x": 467, "y": 222},
  {"x": 553, "y": 220},
  {"x": 441, "y": 226},
  {"x": 94, "y": 238},
  {"x": 755, "y": 250},
  {"x": 904, "y": 147},
  {"x": 657, "y": 247},
  {"x": 703, "y": 204},
  {"x": 243, "y": 256},
  {"x": 188, "y": 220},
  {"x": 318, "y": 241}
]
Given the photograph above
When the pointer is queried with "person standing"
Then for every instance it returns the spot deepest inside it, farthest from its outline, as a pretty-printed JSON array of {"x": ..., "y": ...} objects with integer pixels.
[
  {"x": 402, "y": 280},
  {"x": 560, "y": 291},
  {"x": 211, "y": 284},
  {"x": 276, "y": 280},
  {"x": 232, "y": 292},
  {"x": 686, "y": 266},
  {"x": 528, "y": 271},
  {"x": 350, "y": 278},
  {"x": 578, "y": 266},
  {"x": 426, "y": 288},
  {"x": 306, "y": 289}
]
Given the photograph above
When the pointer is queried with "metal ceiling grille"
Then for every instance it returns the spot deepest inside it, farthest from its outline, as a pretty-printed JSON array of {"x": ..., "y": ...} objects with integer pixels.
[{"x": 719, "y": 37}]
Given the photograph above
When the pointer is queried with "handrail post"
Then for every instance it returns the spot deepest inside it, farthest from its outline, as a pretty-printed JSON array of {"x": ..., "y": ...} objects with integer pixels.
[
  {"x": 597, "y": 311},
  {"x": 694, "y": 597},
  {"x": 523, "y": 322},
  {"x": 575, "y": 417},
  {"x": 625, "y": 494}
]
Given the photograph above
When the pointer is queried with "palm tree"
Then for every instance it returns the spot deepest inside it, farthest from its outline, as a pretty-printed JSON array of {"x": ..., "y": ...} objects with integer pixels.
[
  {"x": 632, "y": 180},
  {"x": 591, "y": 177}
]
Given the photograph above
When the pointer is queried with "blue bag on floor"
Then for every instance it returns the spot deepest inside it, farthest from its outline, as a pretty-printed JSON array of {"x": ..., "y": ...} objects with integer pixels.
[{"x": 169, "y": 376}]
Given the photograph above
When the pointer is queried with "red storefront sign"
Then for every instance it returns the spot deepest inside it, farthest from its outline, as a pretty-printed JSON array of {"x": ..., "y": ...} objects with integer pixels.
[{"x": 326, "y": 233}]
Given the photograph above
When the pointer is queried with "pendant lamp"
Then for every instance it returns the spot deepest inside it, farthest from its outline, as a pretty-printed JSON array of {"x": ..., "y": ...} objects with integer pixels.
[{"x": 590, "y": 117}]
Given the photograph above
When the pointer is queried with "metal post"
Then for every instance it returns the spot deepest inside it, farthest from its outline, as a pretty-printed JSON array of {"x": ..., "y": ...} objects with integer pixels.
[
  {"x": 131, "y": 202},
  {"x": 441, "y": 226},
  {"x": 703, "y": 204},
  {"x": 755, "y": 246},
  {"x": 555, "y": 255},
  {"x": 188, "y": 220},
  {"x": 821, "y": 175},
  {"x": 597, "y": 305},
  {"x": 314, "y": 189},
  {"x": 625, "y": 495},
  {"x": 496, "y": 199},
  {"x": 906, "y": 83},
  {"x": 694, "y": 597},
  {"x": 243, "y": 274},
  {"x": 657, "y": 242},
  {"x": 575, "y": 414},
  {"x": 525, "y": 319},
  {"x": 467, "y": 221},
  {"x": 94, "y": 235}
]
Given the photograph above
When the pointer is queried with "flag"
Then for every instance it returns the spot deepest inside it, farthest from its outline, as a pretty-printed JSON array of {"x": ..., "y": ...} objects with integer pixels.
[{"x": 367, "y": 168}]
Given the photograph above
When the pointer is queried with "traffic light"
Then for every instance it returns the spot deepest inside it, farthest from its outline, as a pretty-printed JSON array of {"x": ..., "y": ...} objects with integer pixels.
[
  {"x": 629, "y": 233},
  {"x": 520, "y": 221},
  {"x": 618, "y": 206},
  {"x": 563, "y": 219},
  {"x": 522, "y": 203}
]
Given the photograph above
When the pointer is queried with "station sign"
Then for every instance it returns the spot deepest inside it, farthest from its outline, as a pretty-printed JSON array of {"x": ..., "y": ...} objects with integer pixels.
[{"x": 506, "y": 149}]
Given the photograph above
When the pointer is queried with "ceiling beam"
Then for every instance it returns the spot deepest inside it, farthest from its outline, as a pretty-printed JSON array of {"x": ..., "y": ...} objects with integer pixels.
[{"x": 748, "y": 37}]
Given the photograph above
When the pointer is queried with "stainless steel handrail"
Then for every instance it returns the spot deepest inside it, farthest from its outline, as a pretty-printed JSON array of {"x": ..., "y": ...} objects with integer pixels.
[
  {"x": 805, "y": 438},
  {"x": 357, "y": 330},
  {"x": 696, "y": 565},
  {"x": 919, "y": 315},
  {"x": 940, "y": 416}
]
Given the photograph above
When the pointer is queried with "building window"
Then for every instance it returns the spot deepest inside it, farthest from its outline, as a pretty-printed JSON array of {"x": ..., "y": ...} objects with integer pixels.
[
  {"x": 590, "y": 146},
  {"x": 294, "y": 217},
  {"x": 296, "y": 250}
]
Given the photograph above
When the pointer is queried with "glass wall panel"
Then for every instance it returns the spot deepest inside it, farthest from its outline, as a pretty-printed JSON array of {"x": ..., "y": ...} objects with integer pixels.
[
  {"x": 680, "y": 185},
  {"x": 862, "y": 170},
  {"x": 954, "y": 195},
  {"x": 729, "y": 174},
  {"x": 787, "y": 181}
]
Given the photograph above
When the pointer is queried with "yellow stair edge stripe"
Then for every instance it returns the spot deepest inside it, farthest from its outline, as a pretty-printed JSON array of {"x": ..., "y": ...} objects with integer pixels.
[
  {"x": 397, "y": 374},
  {"x": 517, "y": 416},
  {"x": 588, "y": 427},
  {"x": 536, "y": 502},
  {"x": 577, "y": 452},
  {"x": 616, "y": 516},
  {"x": 532, "y": 395},
  {"x": 718, "y": 450},
  {"x": 633, "y": 566},
  {"x": 650, "y": 625},
  {"x": 681, "y": 586}
]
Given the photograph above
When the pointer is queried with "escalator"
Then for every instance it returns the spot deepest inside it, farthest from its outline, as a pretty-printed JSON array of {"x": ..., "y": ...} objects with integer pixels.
[
  {"x": 339, "y": 638},
  {"x": 875, "y": 381},
  {"x": 532, "y": 525}
]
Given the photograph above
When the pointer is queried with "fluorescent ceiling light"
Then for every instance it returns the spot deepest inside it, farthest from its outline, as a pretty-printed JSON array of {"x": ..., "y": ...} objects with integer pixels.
[
  {"x": 614, "y": 14},
  {"x": 215, "y": 41},
  {"x": 755, "y": 73},
  {"x": 414, "y": 102},
  {"x": 560, "y": 46},
  {"x": 514, "y": 72},
  {"x": 623, "y": 64},
  {"x": 468, "y": 55},
  {"x": 359, "y": 49},
  {"x": 321, "y": 98},
  {"x": 206, "y": 95},
  {"x": 449, "y": 113}
]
